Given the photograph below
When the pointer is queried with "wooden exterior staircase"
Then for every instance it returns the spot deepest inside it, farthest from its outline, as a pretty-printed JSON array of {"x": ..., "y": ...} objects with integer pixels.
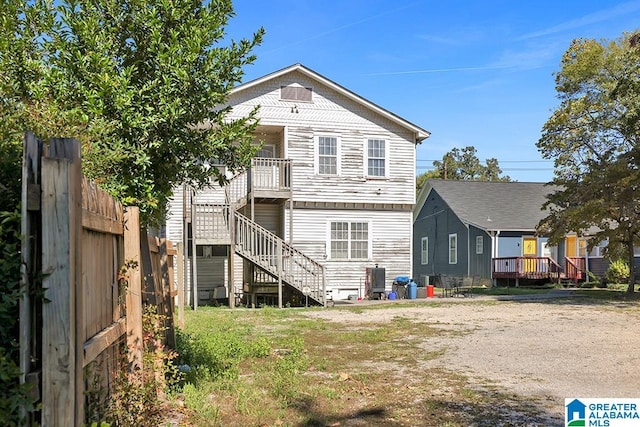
[
  {"x": 276, "y": 257},
  {"x": 223, "y": 224}
]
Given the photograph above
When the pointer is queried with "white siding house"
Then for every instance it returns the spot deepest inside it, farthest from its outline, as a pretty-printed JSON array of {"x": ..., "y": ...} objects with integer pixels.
[{"x": 334, "y": 180}]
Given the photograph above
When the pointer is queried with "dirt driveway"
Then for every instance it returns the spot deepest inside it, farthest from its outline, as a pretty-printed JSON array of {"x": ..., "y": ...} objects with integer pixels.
[{"x": 547, "y": 348}]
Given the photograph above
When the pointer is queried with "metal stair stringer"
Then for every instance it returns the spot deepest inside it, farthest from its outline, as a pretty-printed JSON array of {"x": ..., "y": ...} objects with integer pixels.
[{"x": 271, "y": 253}]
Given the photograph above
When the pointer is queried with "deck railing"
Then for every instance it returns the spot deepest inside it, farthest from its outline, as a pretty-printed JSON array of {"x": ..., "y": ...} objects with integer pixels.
[
  {"x": 270, "y": 174},
  {"x": 210, "y": 223},
  {"x": 526, "y": 268},
  {"x": 237, "y": 189}
]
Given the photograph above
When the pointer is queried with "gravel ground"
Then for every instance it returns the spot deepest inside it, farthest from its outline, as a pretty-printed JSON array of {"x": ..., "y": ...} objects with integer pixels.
[{"x": 549, "y": 347}]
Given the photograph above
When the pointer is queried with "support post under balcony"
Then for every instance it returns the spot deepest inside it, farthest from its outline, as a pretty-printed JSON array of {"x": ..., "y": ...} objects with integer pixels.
[{"x": 279, "y": 261}]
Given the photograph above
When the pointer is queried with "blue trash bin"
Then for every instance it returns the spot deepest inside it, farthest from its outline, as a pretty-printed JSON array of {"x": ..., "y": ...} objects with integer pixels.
[{"x": 412, "y": 290}]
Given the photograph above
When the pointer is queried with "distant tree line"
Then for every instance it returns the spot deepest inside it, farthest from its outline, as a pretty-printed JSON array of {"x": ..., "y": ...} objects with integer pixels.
[{"x": 463, "y": 164}]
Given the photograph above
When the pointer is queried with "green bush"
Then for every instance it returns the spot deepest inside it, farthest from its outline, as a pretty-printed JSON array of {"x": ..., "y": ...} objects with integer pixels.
[{"x": 618, "y": 272}]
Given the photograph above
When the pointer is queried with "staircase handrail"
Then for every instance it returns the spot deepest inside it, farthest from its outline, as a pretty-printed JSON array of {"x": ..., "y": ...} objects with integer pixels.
[
  {"x": 572, "y": 269},
  {"x": 237, "y": 190},
  {"x": 275, "y": 256}
]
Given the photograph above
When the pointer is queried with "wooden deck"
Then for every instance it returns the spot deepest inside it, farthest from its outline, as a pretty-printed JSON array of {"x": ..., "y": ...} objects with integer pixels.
[
  {"x": 539, "y": 268},
  {"x": 533, "y": 268}
]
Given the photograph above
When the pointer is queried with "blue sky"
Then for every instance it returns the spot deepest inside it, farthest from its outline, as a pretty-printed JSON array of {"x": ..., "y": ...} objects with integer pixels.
[{"x": 474, "y": 73}]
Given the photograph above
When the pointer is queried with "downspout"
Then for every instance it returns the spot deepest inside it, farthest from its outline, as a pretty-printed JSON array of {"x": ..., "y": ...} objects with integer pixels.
[
  {"x": 586, "y": 264},
  {"x": 468, "y": 250}
]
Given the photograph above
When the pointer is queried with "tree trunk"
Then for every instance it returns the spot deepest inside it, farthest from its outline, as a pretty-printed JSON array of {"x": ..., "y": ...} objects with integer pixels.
[{"x": 632, "y": 266}]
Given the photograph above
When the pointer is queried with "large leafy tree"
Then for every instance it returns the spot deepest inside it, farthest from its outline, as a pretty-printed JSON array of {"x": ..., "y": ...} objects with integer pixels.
[
  {"x": 142, "y": 84},
  {"x": 463, "y": 164},
  {"x": 594, "y": 138}
]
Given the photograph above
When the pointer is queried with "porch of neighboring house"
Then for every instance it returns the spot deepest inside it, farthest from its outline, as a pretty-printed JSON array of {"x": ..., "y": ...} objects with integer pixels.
[
  {"x": 272, "y": 270},
  {"x": 538, "y": 269}
]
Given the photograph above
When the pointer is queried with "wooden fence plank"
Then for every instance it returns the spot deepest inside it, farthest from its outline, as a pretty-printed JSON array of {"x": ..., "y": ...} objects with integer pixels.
[
  {"x": 59, "y": 264},
  {"x": 134, "y": 287}
]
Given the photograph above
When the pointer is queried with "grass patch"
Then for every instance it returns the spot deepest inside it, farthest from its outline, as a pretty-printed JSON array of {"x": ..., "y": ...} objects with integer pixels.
[{"x": 282, "y": 368}]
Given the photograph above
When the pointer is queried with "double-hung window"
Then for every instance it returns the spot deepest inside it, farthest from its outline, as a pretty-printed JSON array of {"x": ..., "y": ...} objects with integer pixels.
[
  {"x": 424, "y": 254},
  {"x": 376, "y": 157},
  {"x": 349, "y": 240},
  {"x": 479, "y": 245},
  {"x": 453, "y": 248},
  {"x": 327, "y": 155}
]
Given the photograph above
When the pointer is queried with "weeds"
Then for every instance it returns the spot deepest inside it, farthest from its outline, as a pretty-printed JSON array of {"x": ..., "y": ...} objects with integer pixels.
[{"x": 137, "y": 396}]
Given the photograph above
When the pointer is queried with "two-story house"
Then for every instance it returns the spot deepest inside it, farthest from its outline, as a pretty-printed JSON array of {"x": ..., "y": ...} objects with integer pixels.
[{"x": 329, "y": 196}]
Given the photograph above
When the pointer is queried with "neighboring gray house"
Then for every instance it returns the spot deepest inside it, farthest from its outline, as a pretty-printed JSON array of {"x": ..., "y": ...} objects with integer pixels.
[
  {"x": 330, "y": 194},
  {"x": 486, "y": 230}
]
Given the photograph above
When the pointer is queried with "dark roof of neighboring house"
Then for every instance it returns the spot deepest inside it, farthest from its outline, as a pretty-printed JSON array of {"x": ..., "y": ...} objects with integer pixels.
[{"x": 490, "y": 205}]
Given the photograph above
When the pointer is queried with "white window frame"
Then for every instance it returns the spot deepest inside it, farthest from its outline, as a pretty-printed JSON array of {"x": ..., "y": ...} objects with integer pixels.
[
  {"x": 453, "y": 248},
  {"x": 479, "y": 245},
  {"x": 349, "y": 240},
  {"x": 316, "y": 147},
  {"x": 424, "y": 251},
  {"x": 385, "y": 158}
]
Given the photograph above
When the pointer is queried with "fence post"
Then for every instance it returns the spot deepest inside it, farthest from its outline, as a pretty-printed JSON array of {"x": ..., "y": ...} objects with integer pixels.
[
  {"x": 181, "y": 263},
  {"x": 134, "y": 289},
  {"x": 167, "y": 253},
  {"x": 62, "y": 357},
  {"x": 30, "y": 231}
]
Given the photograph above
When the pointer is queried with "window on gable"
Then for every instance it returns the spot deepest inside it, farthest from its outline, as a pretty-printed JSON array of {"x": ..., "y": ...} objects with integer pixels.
[
  {"x": 424, "y": 254},
  {"x": 376, "y": 157},
  {"x": 327, "y": 155},
  {"x": 296, "y": 93},
  {"x": 453, "y": 248},
  {"x": 349, "y": 240},
  {"x": 479, "y": 245}
]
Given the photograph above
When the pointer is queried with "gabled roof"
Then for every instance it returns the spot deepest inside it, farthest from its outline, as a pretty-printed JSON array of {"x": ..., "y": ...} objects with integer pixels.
[
  {"x": 490, "y": 205},
  {"x": 420, "y": 134}
]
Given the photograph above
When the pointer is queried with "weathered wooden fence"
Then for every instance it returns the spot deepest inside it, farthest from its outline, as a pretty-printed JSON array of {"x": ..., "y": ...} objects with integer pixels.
[{"x": 87, "y": 270}]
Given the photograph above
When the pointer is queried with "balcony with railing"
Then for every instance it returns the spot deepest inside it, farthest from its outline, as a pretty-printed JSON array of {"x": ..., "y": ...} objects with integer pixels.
[{"x": 269, "y": 178}]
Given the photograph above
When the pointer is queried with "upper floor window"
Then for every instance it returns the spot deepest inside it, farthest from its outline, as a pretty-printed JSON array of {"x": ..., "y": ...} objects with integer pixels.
[
  {"x": 376, "y": 157},
  {"x": 296, "y": 93},
  {"x": 267, "y": 151},
  {"x": 328, "y": 160},
  {"x": 453, "y": 248},
  {"x": 349, "y": 240},
  {"x": 424, "y": 254}
]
